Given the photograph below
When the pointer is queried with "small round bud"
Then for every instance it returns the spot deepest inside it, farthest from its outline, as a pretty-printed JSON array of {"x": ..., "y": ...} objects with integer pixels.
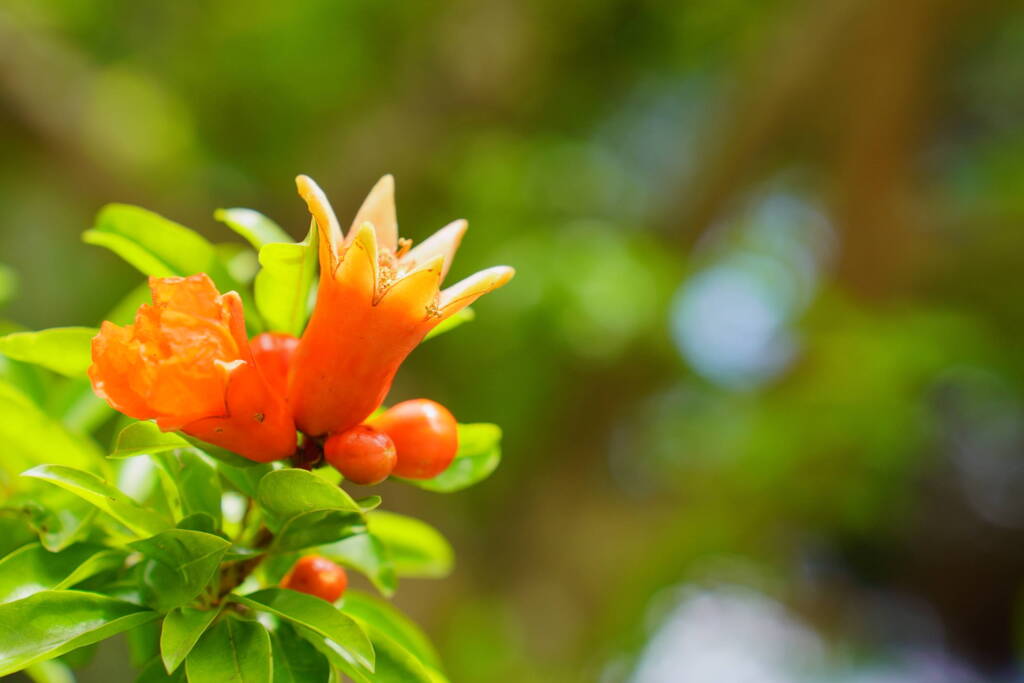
[
  {"x": 317, "y": 576},
  {"x": 362, "y": 454},
  {"x": 425, "y": 435}
]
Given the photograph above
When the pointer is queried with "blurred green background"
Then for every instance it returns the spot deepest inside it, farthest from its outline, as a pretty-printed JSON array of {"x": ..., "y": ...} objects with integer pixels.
[{"x": 760, "y": 372}]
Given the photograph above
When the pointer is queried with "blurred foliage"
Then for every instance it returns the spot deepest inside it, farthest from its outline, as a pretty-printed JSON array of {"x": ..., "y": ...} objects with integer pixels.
[{"x": 691, "y": 379}]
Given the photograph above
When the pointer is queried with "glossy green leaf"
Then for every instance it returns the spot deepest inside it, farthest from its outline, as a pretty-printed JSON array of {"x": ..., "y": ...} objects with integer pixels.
[
  {"x": 295, "y": 659},
  {"x": 395, "y": 664},
  {"x": 364, "y": 553},
  {"x": 191, "y": 481},
  {"x": 317, "y": 527},
  {"x": 153, "y": 672},
  {"x": 416, "y": 548},
  {"x": 65, "y": 350},
  {"x": 144, "y": 437},
  {"x": 179, "y": 563},
  {"x": 32, "y": 568},
  {"x": 233, "y": 651},
  {"x": 382, "y": 616},
  {"x": 478, "y": 456},
  {"x": 317, "y": 615},
  {"x": 282, "y": 286},
  {"x": 256, "y": 228},
  {"x": 31, "y": 437},
  {"x": 245, "y": 479},
  {"x": 181, "y": 630},
  {"x": 50, "y": 671},
  {"x": 50, "y": 623},
  {"x": 60, "y": 518},
  {"x": 91, "y": 488},
  {"x": 451, "y": 322},
  {"x": 153, "y": 244},
  {"x": 289, "y": 492}
]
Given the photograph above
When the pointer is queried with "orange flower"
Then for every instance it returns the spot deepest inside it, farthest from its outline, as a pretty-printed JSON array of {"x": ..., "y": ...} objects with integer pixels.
[
  {"x": 377, "y": 300},
  {"x": 186, "y": 362}
]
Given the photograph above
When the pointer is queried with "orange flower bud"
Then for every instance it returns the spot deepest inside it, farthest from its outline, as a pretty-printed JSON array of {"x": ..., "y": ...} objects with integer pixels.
[
  {"x": 376, "y": 301},
  {"x": 316, "y": 575},
  {"x": 186, "y": 362}
]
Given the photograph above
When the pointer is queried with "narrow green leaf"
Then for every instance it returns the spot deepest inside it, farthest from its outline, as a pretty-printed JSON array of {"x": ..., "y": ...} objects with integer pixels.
[
  {"x": 416, "y": 548},
  {"x": 182, "y": 629},
  {"x": 316, "y": 615},
  {"x": 392, "y": 623},
  {"x": 450, "y": 323},
  {"x": 65, "y": 350},
  {"x": 256, "y": 228},
  {"x": 91, "y": 488},
  {"x": 295, "y": 659},
  {"x": 282, "y": 286},
  {"x": 179, "y": 564},
  {"x": 478, "y": 456},
  {"x": 233, "y": 651},
  {"x": 32, "y": 568},
  {"x": 153, "y": 244},
  {"x": 50, "y": 623},
  {"x": 289, "y": 492},
  {"x": 144, "y": 437},
  {"x": 365, "y": 553},
  {"x": 317, "y": 527}
]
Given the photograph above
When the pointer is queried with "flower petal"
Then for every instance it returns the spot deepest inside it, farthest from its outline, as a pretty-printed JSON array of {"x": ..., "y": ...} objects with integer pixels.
[
  {"x": 414, "y": 294},
  {"x": 463, "y": 293},
  {"x": 357, "y": 271},
  {"x": 378, "y": 209},
  {"x": 331, "y": 238},
  {"x": 444, "y": 242}
]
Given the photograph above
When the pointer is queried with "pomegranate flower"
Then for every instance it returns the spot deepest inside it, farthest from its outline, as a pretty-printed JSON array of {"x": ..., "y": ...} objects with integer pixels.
[
  {"x": 377, "y": 300},
  {"x": 186, "y": 362}
]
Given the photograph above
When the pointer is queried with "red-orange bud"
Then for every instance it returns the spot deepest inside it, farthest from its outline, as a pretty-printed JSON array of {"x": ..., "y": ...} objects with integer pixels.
[
  {"x": 317, "y": 576},
  {"x": 425, "y": 434},
  {"x": 362, "y": 454}
]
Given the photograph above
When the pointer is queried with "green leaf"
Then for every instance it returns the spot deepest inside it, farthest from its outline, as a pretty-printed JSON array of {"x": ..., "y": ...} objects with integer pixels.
[
  {"x": 233, "y": 651},
  {"x": 91, "y": 488},
  {"x": 389, "y": 621},
  {"x": 31, "y": 437},
  {"x": 290, "y": 492},
  {"x": 65, "y": 350},
  {"x": 192, "y": 481},
  {"x": 179, "y": 564},
  {"x": 78, "y": 407},
  {"x": 364, "y": 553},
  {"x": 245, "y": 479},
  {"x": 416, "y": 548},
  {"x": 295, "y": 659},
  {"x": 478, "y": 456},
  {"x": 451, "y": 322},
  {"x": 395, "y": 664},
  {"x": 283, "y": 284},
  {"x": 154, "y": 672},
  {"x": 50, "y": 671},
  {"x": 60, "y": 518},
  {"x": 153, "y": 244},
  {"x": 256, "y": 228},
  {"x": 48, "y": 624},
  {"x": 145, "y": 437},
  {"x": 316, "y": 615},
  {"x": 317, "y": 527},
  {"x": 181, "y": 631},
  {"x": 32, "y": 568}
]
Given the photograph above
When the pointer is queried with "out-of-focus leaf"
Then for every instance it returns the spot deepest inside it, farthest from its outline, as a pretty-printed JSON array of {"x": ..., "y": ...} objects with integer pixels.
[
  {"x": 181, "y": 631},
  {"x": 364, "y": 553},
  {"x": 91, "y": 488},
  {"x": 59, "y": 517},
  {"x": 416, "y": 549},
  {"x": 154, "y": 672},
  {"x": 282, "y": 286},
  {"x": 192, "y": 482},
  {"x": 144, "y": 437},
  {"x": 392, "y": 623},
  {"x": 50, "y": 623},
  {"x": 31, "y": 437},
  {"x": 478, "y": 456},
  {"x": 50, "y": 671},
  {"x": 8, "y": 284},
  {"x": 143, "y": 643},
  {"x": 235, "y": 651},
  {"x": 295, "y": 659},
  {"x": 450, "y": 323},
  {"x": 395, "y": 664},
  {"x": 124, "y": 311},
  {"x": 65, "y": 350},
  {"x": 153, "y": 244},
  {"x": 256, "y": 228},
  {"x": 316, "y": 615},
  {"x": 179, "y": 564},
  {"x": 32, "y": 568},
  {"x": 78, "y": 406}
]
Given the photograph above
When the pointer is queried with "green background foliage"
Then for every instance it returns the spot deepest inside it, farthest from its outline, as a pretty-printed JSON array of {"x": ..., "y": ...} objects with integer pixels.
[{"x": 760, "y": 365}]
